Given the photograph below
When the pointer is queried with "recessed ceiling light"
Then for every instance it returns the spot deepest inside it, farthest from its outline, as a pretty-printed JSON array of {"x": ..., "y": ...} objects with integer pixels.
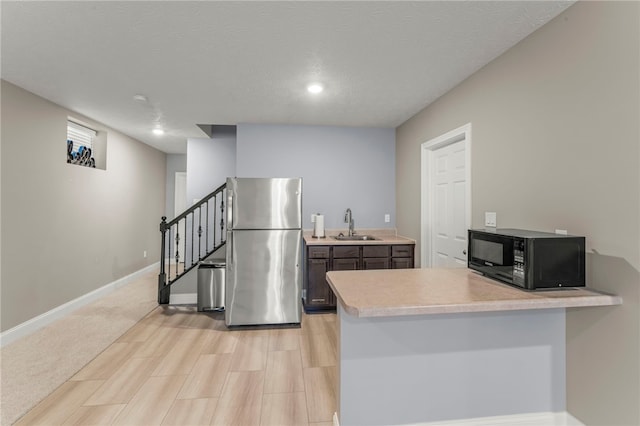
[
  {"x": 158, "y": 131},
  {"x": 315, "y": 88}
]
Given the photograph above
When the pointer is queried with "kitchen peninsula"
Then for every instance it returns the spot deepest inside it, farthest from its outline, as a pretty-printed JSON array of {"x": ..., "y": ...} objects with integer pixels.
[{"x": 424, "y": 345}]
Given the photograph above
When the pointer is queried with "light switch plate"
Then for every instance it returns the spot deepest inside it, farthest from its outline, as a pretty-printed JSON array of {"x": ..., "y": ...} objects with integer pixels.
[
  {"x": 490, "y": 219},
  {"x": 387, "y": 218}
]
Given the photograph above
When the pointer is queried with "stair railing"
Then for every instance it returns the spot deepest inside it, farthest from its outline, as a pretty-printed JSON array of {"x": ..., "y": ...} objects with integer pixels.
[{"x": 189, "y": 238}]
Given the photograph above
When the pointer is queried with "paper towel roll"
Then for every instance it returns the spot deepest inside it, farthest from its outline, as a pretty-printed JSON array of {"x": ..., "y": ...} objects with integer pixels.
[{"x": 318, "y": 226}]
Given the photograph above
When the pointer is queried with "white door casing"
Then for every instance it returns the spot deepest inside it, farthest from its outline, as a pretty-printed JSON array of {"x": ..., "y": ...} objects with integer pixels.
[
  {"x": 446, "y": 198},
  {"x": 179, "y": 206}
]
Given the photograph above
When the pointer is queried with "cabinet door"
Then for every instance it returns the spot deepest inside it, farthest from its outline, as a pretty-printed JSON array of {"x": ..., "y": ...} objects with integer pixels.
[
  {"x": 402, "y": 263},
  {"x": 333, "y": 300},
  {"x": 347, "y": 264},
  {"x": 375, "y": 263},
  {"x": 318, "y": 290}
]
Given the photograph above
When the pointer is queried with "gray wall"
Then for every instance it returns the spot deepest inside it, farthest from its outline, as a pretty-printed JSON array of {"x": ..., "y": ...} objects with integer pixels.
[
  {"x": 341, "y": 167},
  {"x": 419, "y": 369},
  {"x": 209, "y": 163},
  {"x": 68, "y": 230},
  {"x": 555, "y": 144},
  {"x": 175, "y": 163}
]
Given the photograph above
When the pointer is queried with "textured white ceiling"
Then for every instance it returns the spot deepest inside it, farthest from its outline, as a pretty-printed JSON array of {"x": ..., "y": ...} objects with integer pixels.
[{"x": 211, "y": 62}]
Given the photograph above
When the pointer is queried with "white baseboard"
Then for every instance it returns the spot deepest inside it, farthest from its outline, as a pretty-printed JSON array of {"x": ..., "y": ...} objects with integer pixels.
[
  {"x": 183, "y": 299},
  {"x": 529, "y": 419},
  {"x": 34, "y": 324}
]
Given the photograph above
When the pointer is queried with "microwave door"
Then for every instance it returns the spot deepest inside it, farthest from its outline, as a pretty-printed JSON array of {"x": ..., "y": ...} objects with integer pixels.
[
  {"x": 504, "y": 272},
  {"x": 493, "y": 256}
]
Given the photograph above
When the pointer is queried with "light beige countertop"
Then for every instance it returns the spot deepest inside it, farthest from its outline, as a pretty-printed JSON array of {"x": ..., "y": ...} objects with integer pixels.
[
  {"x": 399, "y": 292},
  {"x": 385, "y": 236}
]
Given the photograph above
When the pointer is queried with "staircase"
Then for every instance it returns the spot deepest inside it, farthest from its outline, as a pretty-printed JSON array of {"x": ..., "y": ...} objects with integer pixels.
[{"x": 189, "y": 238}]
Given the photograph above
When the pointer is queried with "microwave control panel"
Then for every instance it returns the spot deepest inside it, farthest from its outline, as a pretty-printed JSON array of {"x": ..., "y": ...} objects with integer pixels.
[{"x": 518, "y": 260}]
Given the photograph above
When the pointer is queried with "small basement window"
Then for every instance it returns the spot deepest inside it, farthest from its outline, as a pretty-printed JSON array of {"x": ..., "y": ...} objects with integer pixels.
[{"x": 84, "y": 145}]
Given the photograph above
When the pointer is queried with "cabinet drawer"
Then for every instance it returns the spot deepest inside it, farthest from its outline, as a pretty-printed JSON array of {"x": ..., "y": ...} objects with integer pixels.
[
  {"x": 402, "y": 251},
  {"x": 318, "y": 252},
  {"x": 375, "y": 251},
  {"x": 346, "y": 251}
]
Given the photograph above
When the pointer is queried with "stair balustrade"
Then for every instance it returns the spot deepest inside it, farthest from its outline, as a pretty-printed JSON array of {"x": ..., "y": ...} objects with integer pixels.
[{"x": 189, "y": 238}]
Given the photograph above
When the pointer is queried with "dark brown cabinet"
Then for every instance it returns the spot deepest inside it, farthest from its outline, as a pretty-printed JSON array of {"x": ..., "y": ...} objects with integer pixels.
[
  {"x": 401, "y": 263},
  {"x": 375, "y": 263},
  {"x": 317, "y": 267},
  {"x": 402, "y": 256},
  {"x": 317, "y": 295},
  {"x": 346, "y": 258},
  {"x": 348, "y": 264},
  {"x": 375, "y": 257}
]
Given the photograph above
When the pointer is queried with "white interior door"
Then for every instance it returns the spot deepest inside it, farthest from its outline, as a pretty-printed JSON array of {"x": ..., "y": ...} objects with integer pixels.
[
  {"x": 446, "y": 209},
  {"x": 448, "y": 239}
]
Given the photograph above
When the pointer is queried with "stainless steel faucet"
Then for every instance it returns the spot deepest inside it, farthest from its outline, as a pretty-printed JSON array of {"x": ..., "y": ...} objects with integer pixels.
[{"x": 348, "y": 219}]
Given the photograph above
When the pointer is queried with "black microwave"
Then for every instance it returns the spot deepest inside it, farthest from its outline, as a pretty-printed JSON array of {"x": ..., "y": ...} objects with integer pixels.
[{"x": 528, "y": 259}]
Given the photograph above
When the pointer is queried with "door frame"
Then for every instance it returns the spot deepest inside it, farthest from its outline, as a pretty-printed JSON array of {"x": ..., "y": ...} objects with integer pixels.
[
  {"x": 179, "y": 192},
  {"x": 427, "y": 149},
  {"x": 179, "y": 206}
]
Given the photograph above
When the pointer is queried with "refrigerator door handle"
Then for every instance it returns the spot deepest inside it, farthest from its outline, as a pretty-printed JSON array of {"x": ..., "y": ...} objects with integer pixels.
[{"x": 229, "y": 209}]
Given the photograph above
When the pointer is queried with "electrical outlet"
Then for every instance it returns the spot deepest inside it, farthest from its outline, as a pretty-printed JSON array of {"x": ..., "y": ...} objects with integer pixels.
[
  {"x": 313, "y": 218},
  {"x": 490, "y": 219},
  {"x": 387, "y": 218},
  {"x": 144, "y": 254}
]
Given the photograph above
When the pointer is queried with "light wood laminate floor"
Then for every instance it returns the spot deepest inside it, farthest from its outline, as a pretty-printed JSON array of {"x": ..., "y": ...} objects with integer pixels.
[{"x": 181, "y": 367}]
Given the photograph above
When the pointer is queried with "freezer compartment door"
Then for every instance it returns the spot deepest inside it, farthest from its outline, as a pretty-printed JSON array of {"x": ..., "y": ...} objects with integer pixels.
[
  {"x": 269, "y": 203},
  {"x": 264, "y": 277}
]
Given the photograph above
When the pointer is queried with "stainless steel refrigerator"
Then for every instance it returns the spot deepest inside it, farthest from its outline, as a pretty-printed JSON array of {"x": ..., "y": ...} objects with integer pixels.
[{"x": 264, "y": 251}]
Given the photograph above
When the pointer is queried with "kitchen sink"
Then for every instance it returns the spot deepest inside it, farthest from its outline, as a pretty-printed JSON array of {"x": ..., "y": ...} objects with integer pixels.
[{"x": 354, "y": 238}]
